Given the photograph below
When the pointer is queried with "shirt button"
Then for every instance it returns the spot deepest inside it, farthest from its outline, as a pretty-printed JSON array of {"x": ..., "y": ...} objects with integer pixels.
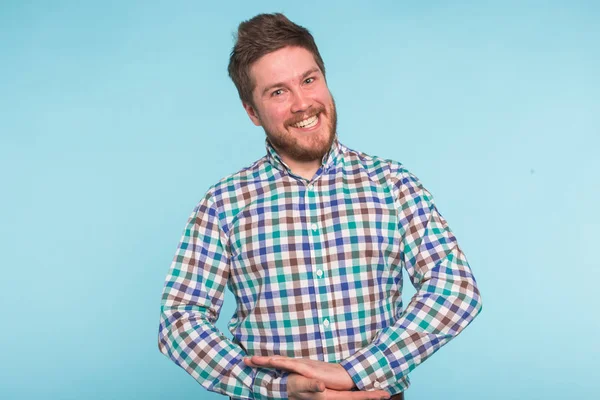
[
  {"x": 376, "y": 384},
  {"x": 314, "y": 227},
  {"x": 319, "y": 273},
  {"x": 326, "y": 323}
]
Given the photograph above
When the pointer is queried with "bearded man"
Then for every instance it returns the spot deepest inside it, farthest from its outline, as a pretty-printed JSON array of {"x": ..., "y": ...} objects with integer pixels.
[{"x": 311, "y": 239}]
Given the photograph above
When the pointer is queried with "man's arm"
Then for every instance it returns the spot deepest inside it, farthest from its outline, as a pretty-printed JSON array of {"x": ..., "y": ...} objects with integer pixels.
[
  {"x": 446, "y": 301},
  {"x": 191, "y": 301}
]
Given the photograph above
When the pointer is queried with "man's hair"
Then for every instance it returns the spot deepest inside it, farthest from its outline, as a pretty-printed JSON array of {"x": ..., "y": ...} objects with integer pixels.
[{"x": 261, "y": 35}]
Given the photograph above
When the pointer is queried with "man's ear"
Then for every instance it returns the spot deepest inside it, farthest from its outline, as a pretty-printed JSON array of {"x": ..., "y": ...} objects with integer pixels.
[{"x": 251, "y": 113}]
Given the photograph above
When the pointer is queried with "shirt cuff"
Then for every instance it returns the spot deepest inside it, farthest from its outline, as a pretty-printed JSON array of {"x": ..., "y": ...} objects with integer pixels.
[
  {"x": 369, "y": 369},
  {"x": 268, "y": 385}
]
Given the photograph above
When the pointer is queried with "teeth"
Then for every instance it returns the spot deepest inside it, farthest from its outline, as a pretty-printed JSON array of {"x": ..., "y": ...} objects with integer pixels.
[{"x": 307, "y": 123}]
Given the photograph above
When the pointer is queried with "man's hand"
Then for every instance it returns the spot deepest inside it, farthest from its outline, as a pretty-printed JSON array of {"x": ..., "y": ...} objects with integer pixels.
[
  {"x": 299, "y": 387},
  {"x": 307, "y": 378},
  {"x": 334, "y": 376},
  {"x": 302, "y": 388}
]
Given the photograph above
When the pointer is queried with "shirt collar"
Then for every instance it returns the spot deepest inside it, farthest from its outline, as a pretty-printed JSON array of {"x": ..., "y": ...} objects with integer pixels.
[{"x": 329, "y": 159}]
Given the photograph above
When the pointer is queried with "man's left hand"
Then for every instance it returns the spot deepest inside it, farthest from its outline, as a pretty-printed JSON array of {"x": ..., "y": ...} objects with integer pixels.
[{"x": 333, "y": 375}]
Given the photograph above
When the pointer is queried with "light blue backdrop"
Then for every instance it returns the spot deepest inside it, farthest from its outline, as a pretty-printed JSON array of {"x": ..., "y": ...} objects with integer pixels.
[{"x": 116, "y": 116}]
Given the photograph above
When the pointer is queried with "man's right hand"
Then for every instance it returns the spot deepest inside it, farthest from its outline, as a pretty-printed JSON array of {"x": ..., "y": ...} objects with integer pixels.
[{"x": 302, "y": 388}]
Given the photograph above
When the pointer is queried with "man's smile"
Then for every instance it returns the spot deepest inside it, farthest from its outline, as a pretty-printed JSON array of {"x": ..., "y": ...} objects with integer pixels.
[{"x": 307, "y": 123}]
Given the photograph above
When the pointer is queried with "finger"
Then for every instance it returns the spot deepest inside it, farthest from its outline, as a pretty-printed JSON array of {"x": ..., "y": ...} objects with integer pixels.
[
  {"x": 292, "y": 365},
  {"x": 263, "y": 360},
  {"x": 280, "y": 362},
  {"x": 361, "y": 395},
  {"x": 248, "y": 362},
  {"x": 260, "y": 361}
]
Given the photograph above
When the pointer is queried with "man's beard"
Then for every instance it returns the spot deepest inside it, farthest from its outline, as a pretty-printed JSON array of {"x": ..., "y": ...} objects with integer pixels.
[{"x": 288, "y": 144}]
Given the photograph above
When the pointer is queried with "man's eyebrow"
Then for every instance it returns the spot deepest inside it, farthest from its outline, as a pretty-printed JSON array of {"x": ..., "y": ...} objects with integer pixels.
[
  {"x": 310, "y": 72},
  {"x": 304, "y": 75}
]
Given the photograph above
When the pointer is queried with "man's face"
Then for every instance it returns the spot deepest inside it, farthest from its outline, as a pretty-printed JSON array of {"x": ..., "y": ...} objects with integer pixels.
[{"x": 293, "y": 104}]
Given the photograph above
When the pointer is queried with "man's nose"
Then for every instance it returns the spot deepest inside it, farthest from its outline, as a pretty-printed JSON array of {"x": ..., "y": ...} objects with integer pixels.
[{"x": 300, "y": 102}]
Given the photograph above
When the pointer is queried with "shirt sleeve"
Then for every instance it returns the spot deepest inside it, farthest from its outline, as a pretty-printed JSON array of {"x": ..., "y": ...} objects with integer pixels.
[
  {"x": 191, "y": 301},
  {"x": 447, "y": 297}
]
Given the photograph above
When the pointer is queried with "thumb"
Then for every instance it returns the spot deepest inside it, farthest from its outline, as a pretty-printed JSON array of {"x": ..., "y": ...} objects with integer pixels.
[
  {"x": 297, "y": 384},
  {"x": 312, "y": 385}
]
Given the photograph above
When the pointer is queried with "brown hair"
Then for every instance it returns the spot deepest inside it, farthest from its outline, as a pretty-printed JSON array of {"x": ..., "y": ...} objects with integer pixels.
[{"x": 263, "y": 34}]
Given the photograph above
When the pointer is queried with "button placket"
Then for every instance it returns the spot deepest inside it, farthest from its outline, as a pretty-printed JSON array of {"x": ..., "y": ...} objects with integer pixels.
[
  {"x": 315, "y": 235},
  {"x": 324, "y": 298},
  {"x": 315, "y": 245}
]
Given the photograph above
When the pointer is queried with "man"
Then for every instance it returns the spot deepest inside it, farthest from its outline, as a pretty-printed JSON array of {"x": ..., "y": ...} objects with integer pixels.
[{"x": 311, "y": 239}]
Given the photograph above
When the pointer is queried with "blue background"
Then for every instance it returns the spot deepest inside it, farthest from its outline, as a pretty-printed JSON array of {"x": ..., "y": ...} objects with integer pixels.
[{"x": 115, "y": 118}]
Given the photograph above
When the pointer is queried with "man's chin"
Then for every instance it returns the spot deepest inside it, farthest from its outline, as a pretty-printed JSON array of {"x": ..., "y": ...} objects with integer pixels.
[
  {"x": 303, "y": 149},
  {"x": 305, "y": 154},
  {"x": 314, "y": 151}
]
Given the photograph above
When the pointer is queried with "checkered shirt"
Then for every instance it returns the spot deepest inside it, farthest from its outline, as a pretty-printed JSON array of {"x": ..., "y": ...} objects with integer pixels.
[{"x": 316, "y": 270}]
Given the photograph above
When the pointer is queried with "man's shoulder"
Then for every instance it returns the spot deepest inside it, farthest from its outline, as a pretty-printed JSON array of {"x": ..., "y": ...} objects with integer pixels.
[
  {"x": 377, "y": 167},
  {"x": 384, "y": 172},
  {"x": 233, "y": 185}
]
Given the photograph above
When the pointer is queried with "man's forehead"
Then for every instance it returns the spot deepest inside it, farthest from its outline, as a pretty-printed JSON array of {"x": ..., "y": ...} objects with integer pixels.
[{"x": 284, "y": 64}]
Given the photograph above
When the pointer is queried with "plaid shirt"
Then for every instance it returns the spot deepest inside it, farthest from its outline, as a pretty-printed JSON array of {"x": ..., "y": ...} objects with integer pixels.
[{"x": 316, "y": 270}]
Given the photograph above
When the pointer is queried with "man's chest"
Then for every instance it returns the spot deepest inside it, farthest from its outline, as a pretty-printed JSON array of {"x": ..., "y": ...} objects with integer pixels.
[{"x": 302, "y": 229}]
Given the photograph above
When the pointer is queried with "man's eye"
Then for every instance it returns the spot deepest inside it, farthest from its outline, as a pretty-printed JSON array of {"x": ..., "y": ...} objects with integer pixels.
[
  {"x": 277, "y": 92},
  {"x": 309, "y": 80}
]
